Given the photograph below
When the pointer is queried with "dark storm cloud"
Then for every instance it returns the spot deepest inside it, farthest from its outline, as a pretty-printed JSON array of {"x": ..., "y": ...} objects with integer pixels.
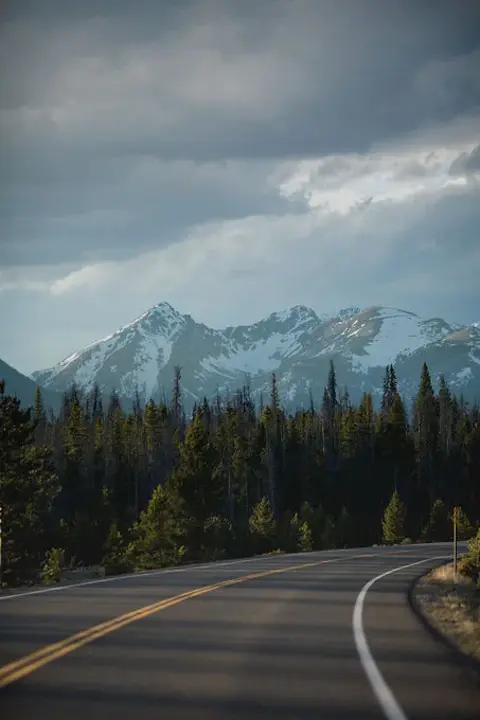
[
  {"x": 365, "y": 71},
  {"x": 115, "y": 209},
  {"x": 467, "y": 163},
  {"x": 104, "y": 104}
]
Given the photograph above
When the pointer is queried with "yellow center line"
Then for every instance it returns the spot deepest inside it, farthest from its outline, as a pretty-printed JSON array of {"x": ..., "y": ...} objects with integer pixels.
[{"x": 18, "y": 669}]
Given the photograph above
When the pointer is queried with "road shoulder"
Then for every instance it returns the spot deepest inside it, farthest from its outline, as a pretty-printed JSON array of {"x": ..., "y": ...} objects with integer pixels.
[{"x": 442, "y": 611}]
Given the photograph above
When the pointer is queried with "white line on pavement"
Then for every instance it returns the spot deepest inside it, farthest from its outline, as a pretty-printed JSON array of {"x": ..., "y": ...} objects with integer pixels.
[
  {"x": 148, "y": 573},
  {"x": 126, "y": 576},
  {"x": 384, "y": 695}
]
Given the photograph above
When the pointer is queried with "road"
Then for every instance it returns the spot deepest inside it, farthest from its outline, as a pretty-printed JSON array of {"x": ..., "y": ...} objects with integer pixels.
[{"x": 285, "y": 637}]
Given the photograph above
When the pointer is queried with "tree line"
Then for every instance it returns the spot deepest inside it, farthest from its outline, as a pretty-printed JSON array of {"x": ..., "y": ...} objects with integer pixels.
[{"x": 149, "y": 487}]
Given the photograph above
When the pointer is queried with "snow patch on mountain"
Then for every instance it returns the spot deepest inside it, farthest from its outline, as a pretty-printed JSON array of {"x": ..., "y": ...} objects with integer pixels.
[
  {"x": 93, "y": 359},
  {"x": 153, "y": 354},
  {"x": 401, "y": 333},
  {"x": 261, "y": 356},
  {"x": 296, "y": 344},
  {"x": 473, "y": 357},
  {"x": 299, "y": 315},
  {"x": 464, "y": 375}
]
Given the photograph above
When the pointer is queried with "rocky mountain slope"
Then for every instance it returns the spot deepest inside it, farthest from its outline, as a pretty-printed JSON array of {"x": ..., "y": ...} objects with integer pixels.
[
  {"x": 24, "y": 388},
  {"x": 296, "y": 344}
]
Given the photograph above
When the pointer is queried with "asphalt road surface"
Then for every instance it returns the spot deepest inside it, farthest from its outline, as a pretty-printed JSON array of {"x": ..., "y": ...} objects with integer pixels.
[{"x": 286, "y": 637}]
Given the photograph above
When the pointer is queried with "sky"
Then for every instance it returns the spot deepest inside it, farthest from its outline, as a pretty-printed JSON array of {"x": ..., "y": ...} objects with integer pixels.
[{"x": 233, "y": 158}]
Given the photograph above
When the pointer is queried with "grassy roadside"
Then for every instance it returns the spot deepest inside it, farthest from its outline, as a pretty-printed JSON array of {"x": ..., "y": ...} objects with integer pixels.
[{"x": 452, "y": 605}]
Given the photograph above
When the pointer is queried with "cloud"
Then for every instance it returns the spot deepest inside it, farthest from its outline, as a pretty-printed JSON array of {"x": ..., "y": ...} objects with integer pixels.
[
  {"x": 468, "y": 163},
  {"x": 403, "y": 232},
  {"x": 233, "y": 158},
  {"x": 133, "y": 204},
  {"x": 341, "y": 184},
  {"x": 206, "y": 81}
]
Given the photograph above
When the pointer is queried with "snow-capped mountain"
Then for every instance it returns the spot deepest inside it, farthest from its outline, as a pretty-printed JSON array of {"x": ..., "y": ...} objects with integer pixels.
[{"x": 296, "y": 344}]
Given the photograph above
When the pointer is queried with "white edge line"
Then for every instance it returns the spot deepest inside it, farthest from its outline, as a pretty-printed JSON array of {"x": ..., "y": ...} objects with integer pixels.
[
  {"x": 147, "y": 573},
  {"x": 153, "y": 573},
  {"x": 384, "y": 695},
  {"x": 126, "y": 576},
  {"x": 168, "y": 571}
]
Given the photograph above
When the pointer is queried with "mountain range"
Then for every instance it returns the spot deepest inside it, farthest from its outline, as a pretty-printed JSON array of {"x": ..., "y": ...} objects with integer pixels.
[{"x": 295, "y": 344}]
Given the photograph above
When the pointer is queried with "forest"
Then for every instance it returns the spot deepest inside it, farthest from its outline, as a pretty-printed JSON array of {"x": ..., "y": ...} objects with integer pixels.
[{"x": 146, "y": 487}]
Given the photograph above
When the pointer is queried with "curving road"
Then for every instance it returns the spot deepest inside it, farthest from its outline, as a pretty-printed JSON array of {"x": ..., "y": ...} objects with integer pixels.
[{"x": 318, "y": 635}]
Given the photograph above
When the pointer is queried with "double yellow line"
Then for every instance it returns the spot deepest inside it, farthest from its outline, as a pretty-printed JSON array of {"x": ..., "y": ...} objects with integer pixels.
[{"x": 18, "y": 669}]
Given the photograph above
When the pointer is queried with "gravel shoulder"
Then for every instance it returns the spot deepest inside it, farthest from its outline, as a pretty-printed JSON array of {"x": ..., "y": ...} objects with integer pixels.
[{"x": 452, "y": 607}]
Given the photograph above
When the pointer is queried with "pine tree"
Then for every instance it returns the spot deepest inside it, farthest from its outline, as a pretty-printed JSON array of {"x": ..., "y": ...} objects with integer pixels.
[
  {"x": 328, "y": 534},
  {"x": 343, "y": 529},
  {"x": 200, "y": 488},
  {"x": 263, "y": 526},
  {"x": 293, "y": 533},
  {"x": 445, "y": 417},
  {"x": 438, "y": 527},
  {"x": 115, "y": 558},
  {"x": 274, "y": 396},
  {"x": 218, "y": 537},
  {"x": 471, "y": 470},
  {"x": 332, "y": 386},
  {"x": 291, "y": 496},
  {"x": 393, "y": 523},
  {"x": 214, "y": 471},
  {"x": 386, "y": 396},
  {"x": 393, "y": 382},
  {"x": 39, "y": 411},
  {"x": 465, "y": 529},
  {"x": 40, "y": 419},
  {"x": 330, "y": 425},
  {"x": 425, "y": 425},
  {"x": 159, "y": 536},
  {"x": 305, "y": 538},
  {"x": 28, "y": 486},
  {"x": 349, "y": 435},
  {"x": 177, "y": 395}
]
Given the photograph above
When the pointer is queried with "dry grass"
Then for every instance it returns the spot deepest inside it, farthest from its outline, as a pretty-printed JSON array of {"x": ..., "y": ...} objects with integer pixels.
[
  {"x": 453, "y": 606},
  {"x": 445, "y": 575}
]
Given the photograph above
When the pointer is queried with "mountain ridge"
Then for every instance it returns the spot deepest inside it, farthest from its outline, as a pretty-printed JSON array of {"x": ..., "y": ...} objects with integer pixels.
[
  {"x": 24, "y": 388},
  {"x": 296, "y": 343}
]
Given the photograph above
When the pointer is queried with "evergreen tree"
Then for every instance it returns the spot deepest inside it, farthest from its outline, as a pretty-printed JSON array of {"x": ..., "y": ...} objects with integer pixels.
[
  {"x": 138, "y": 486},
  {"x": 177, "y": 395},
  {"x": 263, "y": 526},
  {"x": 115, "y": 559},
  {"x": 332, "y": 386},
  {"x": 305, "y": 538},
  {"x": 465, "y": 529},
  {"x": 393, "y": 523},
  {"x": 293, "y": 538},
  {"x": 40, "y": 418},
  {"x": 425, "y": 425},
  {"x": 328, "y": 534},
  {"x": 159, "y": 536},
  {"x": 28, "y": 485},
  {"x": 196, "y": 484},
  {"x": 387, "y": 393},
  {"x": 343, "y": 529},
  {"x": 218, "y": 537},
  {"x": 445, "y": 417},
  {"x": 439, "y": 527}
]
